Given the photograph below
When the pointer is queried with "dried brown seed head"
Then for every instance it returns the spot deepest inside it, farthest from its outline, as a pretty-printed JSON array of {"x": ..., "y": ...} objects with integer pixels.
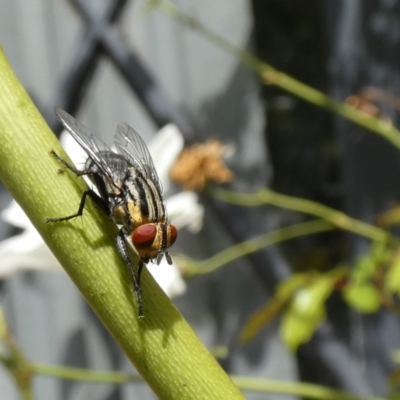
[{"x": 199, "y": 164}]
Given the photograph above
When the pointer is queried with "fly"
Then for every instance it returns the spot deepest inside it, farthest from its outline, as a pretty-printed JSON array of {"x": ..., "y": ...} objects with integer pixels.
[{"x": 129, "y": 191}]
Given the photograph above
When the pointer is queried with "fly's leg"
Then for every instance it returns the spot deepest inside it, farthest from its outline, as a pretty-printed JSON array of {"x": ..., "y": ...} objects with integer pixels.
[
  {"x": 88, "y": 192},
  {"x": 94, "y": 196},
  {"x": 139, "y": 274},
  {"x": 77, "y": 172},
  {"x": 123, "y": 250}
]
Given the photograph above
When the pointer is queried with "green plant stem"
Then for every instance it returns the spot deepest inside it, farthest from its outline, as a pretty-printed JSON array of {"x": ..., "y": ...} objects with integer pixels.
[
  {"x": 307, "y": 390},
  {"x": 252, "y": 245},
  {"x": 272, "y": 76},
  {"x": 250, "y": 384},
  {"x": 337, "y": 218},
  {"x": 85, "y": 375},
  {"x": 162, "y": 346}
]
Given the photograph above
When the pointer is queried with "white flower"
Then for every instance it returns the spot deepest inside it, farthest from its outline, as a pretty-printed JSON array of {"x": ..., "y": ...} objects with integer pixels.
[{"x": 28, "y": 251}]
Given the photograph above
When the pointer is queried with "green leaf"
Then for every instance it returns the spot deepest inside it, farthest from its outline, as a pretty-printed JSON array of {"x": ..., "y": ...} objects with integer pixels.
[
  {"x": 379, "y": 252},
  {"x": 260, "y": 318},
  {"x": 269, "y": 311},
  {"x": 392, "y": 278},
  {"x": 290, "y": 285},
  {"x": 306, "y": 312},
  {"x": 364, "y": 298},
  {"x": 364, "y": 269}
]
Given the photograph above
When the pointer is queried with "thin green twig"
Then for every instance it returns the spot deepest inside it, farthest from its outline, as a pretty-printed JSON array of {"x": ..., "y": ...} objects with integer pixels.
[
  {"x": 86, "y": 375},
  {"x": 252, "y": 245},
  {"x": 245, "y": 383},
  {"x": 307, "y": 390},
  {"x": 337, "y": 218}
]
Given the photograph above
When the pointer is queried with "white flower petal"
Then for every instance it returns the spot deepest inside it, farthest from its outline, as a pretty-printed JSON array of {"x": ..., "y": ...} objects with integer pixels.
[
  {"x": 14, "y": 215},
  {"x": 164, "y": 149},
  {"x": 73, "y": 149},
  {"x": 26, "y": 251},
  {"x": 168, "y": 277},
  {"x": 185, "y": 211}
]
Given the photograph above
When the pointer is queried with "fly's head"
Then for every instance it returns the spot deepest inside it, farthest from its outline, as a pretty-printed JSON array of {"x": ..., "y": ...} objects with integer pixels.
[{"x": 152, "y": 240}]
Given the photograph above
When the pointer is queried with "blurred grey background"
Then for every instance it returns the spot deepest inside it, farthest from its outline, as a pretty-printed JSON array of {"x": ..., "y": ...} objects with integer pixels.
[{"x": 155, "y": 70}]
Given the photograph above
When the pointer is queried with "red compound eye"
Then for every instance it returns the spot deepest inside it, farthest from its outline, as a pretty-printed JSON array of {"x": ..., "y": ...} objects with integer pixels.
[
  {"x": 173, "y": 234},
  {"x": 143, "y": 237}
]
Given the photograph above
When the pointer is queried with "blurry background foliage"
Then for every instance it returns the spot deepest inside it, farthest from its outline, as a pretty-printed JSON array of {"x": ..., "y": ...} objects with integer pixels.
[{"x": 310, "y": 102}]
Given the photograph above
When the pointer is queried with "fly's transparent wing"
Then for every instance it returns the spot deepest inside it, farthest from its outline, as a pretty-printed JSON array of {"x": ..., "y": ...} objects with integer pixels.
[
  {"x": 130, "y": 145},
  {"x": 94, "y": 147}
]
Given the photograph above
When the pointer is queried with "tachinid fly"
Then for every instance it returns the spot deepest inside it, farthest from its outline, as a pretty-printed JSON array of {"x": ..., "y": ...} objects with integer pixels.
[{"x": 129, "y": 191}]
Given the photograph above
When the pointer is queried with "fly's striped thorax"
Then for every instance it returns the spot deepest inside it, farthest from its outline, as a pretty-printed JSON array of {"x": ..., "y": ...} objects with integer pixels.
[{"x": 146, "y": 205}]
